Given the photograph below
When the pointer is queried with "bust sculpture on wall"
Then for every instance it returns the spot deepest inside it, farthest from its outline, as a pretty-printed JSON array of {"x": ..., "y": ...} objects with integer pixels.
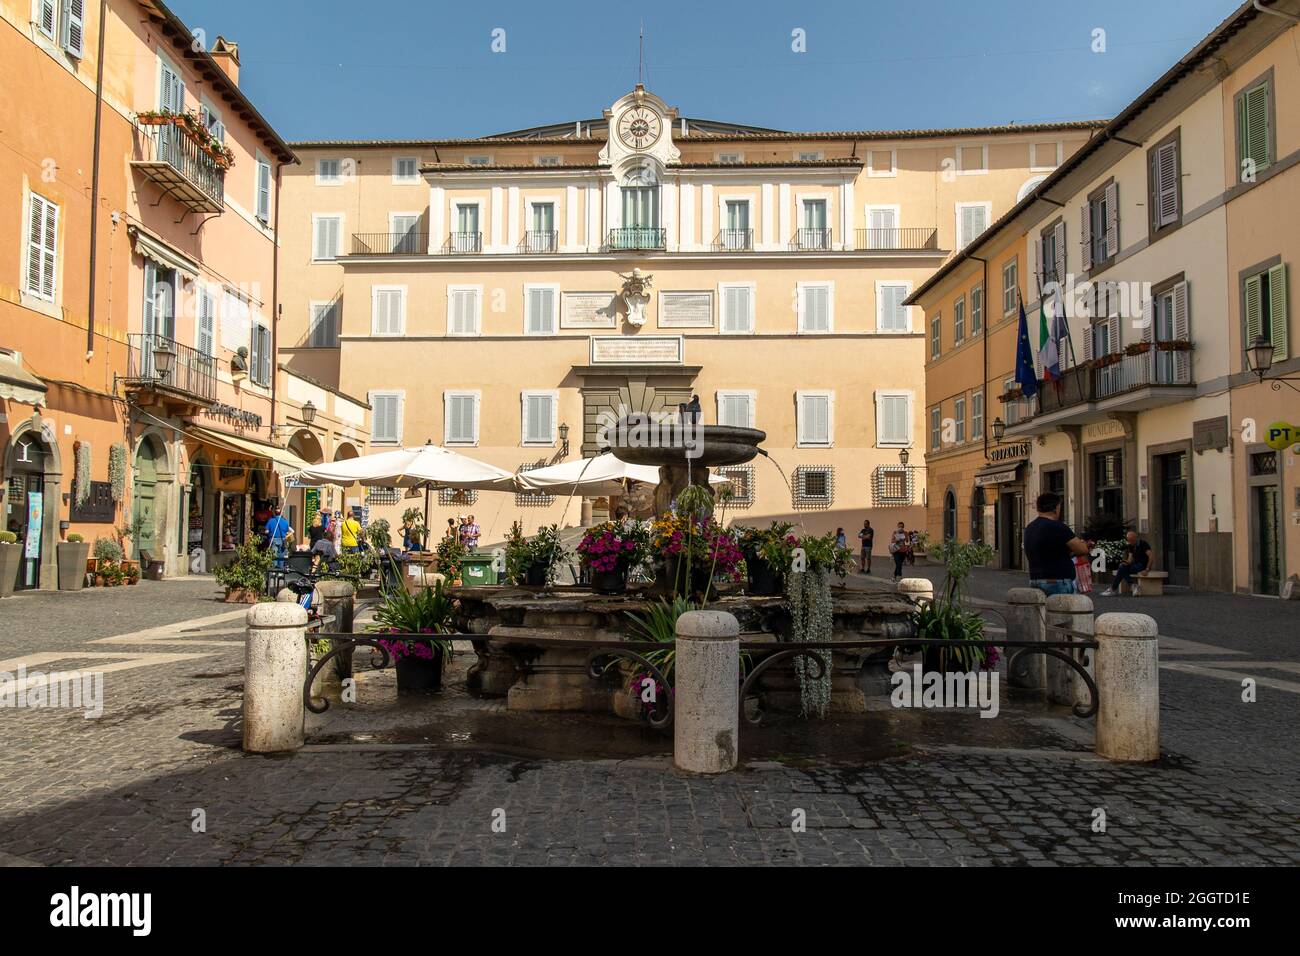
[{"x": 636, "y": 296}]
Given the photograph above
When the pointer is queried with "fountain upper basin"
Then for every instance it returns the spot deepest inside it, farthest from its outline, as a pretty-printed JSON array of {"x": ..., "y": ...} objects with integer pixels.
[{"x": 704, "y": 446}]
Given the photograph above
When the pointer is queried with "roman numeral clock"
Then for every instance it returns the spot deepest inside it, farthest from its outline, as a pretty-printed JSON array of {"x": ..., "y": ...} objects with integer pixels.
[{"x": 639, "y": 127}]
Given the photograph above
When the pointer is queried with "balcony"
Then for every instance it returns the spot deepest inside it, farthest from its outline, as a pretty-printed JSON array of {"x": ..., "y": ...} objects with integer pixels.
[
  {"x": 390, "y": 243},
  {"x": 539, "y": 243},
  {"x": 191, "y": 384},
  {"x": 637, "y": 237},
  {"x": 174, "y": 160},
  {"x": 734, "y": 240},
  {"x": 464, "y": 243},
  {"x": 811, "y": 240},
  {"x": 910, "y": 239}
]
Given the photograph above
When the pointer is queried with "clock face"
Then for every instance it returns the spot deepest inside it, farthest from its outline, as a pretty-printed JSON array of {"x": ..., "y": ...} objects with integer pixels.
[{"x": 639, "y": 127}]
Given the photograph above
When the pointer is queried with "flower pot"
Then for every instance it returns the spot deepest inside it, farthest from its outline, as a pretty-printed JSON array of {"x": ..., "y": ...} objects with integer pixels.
[
  {"x": 699, "y": 585},
  {"x": 72, "y": 564},
  {"x": 535, "y": 576},
  {"x": 11, "y": 559},
  {"x": 610, "y": 582},
  {"x": 241, "y": 596},
  {"x": 763, "y": 579},
  {"x": 420, "y": 674}
]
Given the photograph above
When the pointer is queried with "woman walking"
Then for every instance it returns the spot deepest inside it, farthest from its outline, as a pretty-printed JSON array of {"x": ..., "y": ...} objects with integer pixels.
[{"x": 900, "y": 543}]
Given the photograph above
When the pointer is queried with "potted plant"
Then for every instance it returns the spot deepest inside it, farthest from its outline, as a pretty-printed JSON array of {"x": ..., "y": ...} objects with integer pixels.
[
  {"x": 11, "y": 557},
  {"x": 695, "y": 550},
  {"x": 106, "y": 552},
  {"x": 244, "y": 578},
  {"x": 377, "y": 534},
  {"x": 944, "y": 619},
  {"x": 73, "y": 555},
  {"x": 1174, "y": 345},
  {"x": 533, "y": 561},
  {"x": 420, "y": 661},
  {"x": 1137, "y": 348},
  {"x": 768, "y": 553},
  {"x": 610, "y": 550}
]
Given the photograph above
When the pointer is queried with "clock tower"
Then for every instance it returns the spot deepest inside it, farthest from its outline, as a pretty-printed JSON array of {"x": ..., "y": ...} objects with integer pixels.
[{"x": 640, "y": 136}]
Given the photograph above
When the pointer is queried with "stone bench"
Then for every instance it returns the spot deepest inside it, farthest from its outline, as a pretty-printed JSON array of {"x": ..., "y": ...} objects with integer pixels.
[{"x": 1153, "y": 583}]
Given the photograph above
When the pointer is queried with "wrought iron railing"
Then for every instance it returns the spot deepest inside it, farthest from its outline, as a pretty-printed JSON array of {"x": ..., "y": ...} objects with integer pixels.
[
  {"x": 811, "y": 240},
  {"x": 637, "y": 237},
  {"x": 464, "y": 242},
  {"x": 390, "y": 243},
  {"x": 908, "y": 238},
  {"x": 192, "y": 372},
  {"x": 1154, "y": 367},
  {"x": 540, "y": 242},
  {"x": 173, "y": 145},
  {"x": 734, "y": 240},
  {"x": 1076, "y": 387},
  {"x": 1019, "y": 410}
]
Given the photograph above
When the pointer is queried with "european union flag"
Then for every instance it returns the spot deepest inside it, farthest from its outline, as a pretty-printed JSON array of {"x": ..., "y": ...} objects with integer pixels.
[{"x": 1025, "y": 376}]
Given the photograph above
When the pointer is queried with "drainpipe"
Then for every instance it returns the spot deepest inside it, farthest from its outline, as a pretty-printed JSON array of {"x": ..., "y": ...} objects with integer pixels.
[
  {"x": 94, "y": 178},
  {"x": 275, "y": 300},
  {"x": 1258, "y": 5},
  {"x": 984, "y": 336}
]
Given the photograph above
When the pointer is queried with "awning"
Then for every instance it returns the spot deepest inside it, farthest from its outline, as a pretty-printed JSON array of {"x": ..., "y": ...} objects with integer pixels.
[
  {"x": 998, "y": 474},
  {"x": 163, "y": 254},
  {"x": 287, "y": 460},
  {"x": 19, "y": 384}
]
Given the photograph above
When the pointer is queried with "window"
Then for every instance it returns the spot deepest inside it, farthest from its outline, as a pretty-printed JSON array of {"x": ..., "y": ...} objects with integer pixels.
[
  {"x": 404, "y": 228},
  {"x": 893, "y": 418},
  {"x": 1044, "y": 156},
  {"x": 263, "y": 189},
  {"x": 1010, "y": 285},
  {"x": 460, "y": 424},
  {"x": 972, "y": 219},
  {"x": 814, "y": 486},
  {"x": 1050, "y": 246},
  {"x": 1108, "y": 483},
  {"x": 814, "y": 233},
  {"x": 212, "y": 120},
  {"x": 936, "y": 428},
  {"x": 735, "y": 234},
  {"x": 882, "y": 227},
  {"x": 236, "y": 320},
  {"x": 382, "y": 496},
  {"x": 816, "y": 306},
  {"x": 259, "y": 362},
  {"x": 386, "y": 417},
  {"x": 541, "y": 309},
  {"x": 1166, "y": 320},
  {"x": 729, "y": 158},
  {"x": 977, "y": 415},
  {"x": 324, "y": 330},
  {"x": 736, "y": 408},
  {"x": 976, "y": 310},
  {"x": 972, "y": 160},
  {"x": 1099, "y": 226},
  {"x": 467, "y": 237},
  {"x": 478, "y": 160},
  {"x": 171, "y": 88},
  {"x": 640, "y": 207},
  {"x": 388, "y": 310},
  {"x": 538, "y": 419},
  {"x": 959, "y": 321},
  {"x": 42, "y": 248},
  {"x": 550, "y": 160},
  {"x": 326, "y": 232},
  {"x": 1164, "y": 183},
  {"x": 814, "y": 416},
  {"x": 73, "y": 30},
  {"x": 809, "y": 156},
  {"x": 1265, "y": 308},
  {"x": 1255, "y": 133},
  {"x": 329, "y": 172},
  {"x": 406, "y": 170},
  {"x": 891, "y": 485},
  {"x": 741, "y": 478},
  {"x": 959, "y": 419},
  {"x": 205, "y": 323},
  {"x": 45, "y": 18},
  {"x": 737, "y": 306},
  {"x": 542, "y": 236},
  {"x": 936, "y": 336},
  {"x": 464, "y": 309},
  {"x": 891, "y": 314},
  {"x": 882, "y": 162}
]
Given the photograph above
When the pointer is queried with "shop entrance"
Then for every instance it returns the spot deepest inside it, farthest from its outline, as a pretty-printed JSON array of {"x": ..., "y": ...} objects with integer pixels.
[
  {"x": 25, "y": 504},
  {"x": 1175, "y": 556},
  {"x": 144, "y": 521}
]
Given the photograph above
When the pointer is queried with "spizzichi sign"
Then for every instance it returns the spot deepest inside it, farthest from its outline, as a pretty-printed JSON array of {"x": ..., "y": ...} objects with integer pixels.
[{"x": 1281, "y": 436}]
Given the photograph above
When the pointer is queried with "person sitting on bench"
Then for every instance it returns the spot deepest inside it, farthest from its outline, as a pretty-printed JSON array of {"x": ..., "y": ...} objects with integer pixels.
[{"x": 1136, "y": 561}]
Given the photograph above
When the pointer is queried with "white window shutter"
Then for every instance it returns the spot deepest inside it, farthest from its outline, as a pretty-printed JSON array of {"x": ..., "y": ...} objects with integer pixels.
[
  {"x": 1112, "y": 324},
  {"x": 263, "y": 191},
  {"x": 1149, "y": 319},
  {"x": 1112, "y": 220},
  {"x": 1087, "y": 343},
  {"x": 1166, "y": 178},
  {"x": 1060, "y": 252},
  {"x": 735, "y": 309},
  {"x": 72, "y": 35},
  {"x": 1277, "y": 311},
  {"x": 207, "y": 324},
  {"x": 1085, "y": 235},
  {"x": 1182, "y": 331},
  {"x": 46, "y": 18}
]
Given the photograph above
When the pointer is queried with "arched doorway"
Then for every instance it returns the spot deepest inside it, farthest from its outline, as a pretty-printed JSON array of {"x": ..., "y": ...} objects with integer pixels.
[
  {"x": 29, "y": 499},
  {"x": 977, "y": 514},
  {"x": 146, "y": 496},
  {"x": 949, "y": 515}
]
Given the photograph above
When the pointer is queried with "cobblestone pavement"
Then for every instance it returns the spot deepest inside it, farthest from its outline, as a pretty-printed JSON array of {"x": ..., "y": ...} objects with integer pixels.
[{"x": 125, "y": 788}]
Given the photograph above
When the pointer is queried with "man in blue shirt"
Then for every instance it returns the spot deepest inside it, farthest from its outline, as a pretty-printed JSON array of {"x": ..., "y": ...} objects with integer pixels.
[
  {"x": 1050, "y": 545},
  {"x": 278, "y": 536}
]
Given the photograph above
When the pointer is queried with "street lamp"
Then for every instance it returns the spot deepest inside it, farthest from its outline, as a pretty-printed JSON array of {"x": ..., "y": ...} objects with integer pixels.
[
  {"x": 1259, "y": 358},
  {"x": 903, "y": 457},
  {"x": 999, "y": 429},
  {"x": 308, "y": 413},
  {"x": 564, "y": 440},
  {"x": 163, "y": 359}
]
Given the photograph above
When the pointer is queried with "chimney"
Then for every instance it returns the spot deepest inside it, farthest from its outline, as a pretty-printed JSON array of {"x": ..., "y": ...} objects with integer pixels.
[{"x": 226, "y": 54}]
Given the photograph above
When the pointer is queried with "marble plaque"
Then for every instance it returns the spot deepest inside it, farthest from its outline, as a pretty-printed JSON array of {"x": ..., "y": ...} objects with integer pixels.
[
  {"x": 686, "y": 310},
  {"x": 589, "y": 310},
  {"x": 636, "y": 350}
]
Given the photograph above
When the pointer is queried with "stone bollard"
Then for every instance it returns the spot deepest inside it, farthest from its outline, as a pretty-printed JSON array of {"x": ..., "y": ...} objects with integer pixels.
[
  {"x": 706, "y": 705},
  {"x": 916, "y": 589},
  {"x": 275, "y": 664},
  {"x": 1128, "y": 687},
  {"x": 1064, "y": 685},
  {"x": 1026, "y": 622},
  {"x": 339, "y": 601}
]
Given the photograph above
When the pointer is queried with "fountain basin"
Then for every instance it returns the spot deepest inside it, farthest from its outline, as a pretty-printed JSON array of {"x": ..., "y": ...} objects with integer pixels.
[{"x": 702, "y": 446}]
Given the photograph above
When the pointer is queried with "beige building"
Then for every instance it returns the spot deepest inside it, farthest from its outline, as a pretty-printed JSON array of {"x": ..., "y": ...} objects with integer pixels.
[
  {"x": 483, "y": 294},
  {"x": 1169, "y": 236}
]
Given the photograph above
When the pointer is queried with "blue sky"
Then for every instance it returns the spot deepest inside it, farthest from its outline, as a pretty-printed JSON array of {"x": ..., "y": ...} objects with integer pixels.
[{"x": 404, "y": 69}]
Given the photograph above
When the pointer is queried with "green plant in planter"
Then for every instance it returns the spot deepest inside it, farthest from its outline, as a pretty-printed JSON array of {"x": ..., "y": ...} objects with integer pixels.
[
  {"x": 351, "y": 566},
  {"x": 774, "y": 545},
  {"x": 248, "y": 571},
  {"x": 8, "y": 537},
  {"x": 824, "y": 554},
  {"x": 944, "y": 618},
  {"x": 428, "y": 611},
  {"x": 75, "y": 538},
  {"x": 451, "y": 555},
  {"x": 106, "y": 549},
  {"x": 542, "y": 550},
  {"x": 377, "y": 533}
]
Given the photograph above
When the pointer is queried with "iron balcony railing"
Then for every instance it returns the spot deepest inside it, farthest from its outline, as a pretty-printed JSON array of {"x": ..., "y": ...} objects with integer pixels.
[
  {"x": 811, "y": 240},
  {"x": 539, "y": 242},
  {"x": 390, "y": 243},
  {"x": 201, "y": 181},
  {"x": 1076, "y": 387},
  {"x": 910, "y": 238},
  {"x": 1019, "y": 410},
  {"x": 734, "y": 240},
  {"x": 464, "y": 242},
  {"x": 1156, "y": 367},
  {"x": 192, "y": 372},
  {"x": 637, "y": 237}
]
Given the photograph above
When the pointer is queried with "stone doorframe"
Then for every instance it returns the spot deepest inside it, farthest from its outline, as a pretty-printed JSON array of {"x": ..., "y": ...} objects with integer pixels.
[
  {"x": 167, "y": 534},
  {"x": 1155, "y": 524},
  {"x": 51, "y": 498},
  {"x": 1262, "y": 481}
]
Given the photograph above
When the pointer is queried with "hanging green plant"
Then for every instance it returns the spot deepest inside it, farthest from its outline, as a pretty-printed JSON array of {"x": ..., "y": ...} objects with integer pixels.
[
  {"x": 82, "y": 482},
  {"x": 117, "y": 471}
]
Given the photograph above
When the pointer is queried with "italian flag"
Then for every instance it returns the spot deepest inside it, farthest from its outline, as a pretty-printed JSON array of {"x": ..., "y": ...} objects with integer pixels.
[{"x": 1048, "y": 360}]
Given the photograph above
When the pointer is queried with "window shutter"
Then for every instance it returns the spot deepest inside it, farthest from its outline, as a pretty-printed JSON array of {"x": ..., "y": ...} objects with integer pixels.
[
  {"x": 1183, "y": 331},
  {"x": 976, "y": 310},
  {"x": 541, "y": 310},
  {"x": 537, "y": 424},
  {"x": 207, "y": 330},
  {"x": 388, "y": 312},
  {"x": 735, "y": 309},
  {"x": 460, "y": 418},
  {"x": 815, "y": 309},
  {"x": 264, "y": 191},
  {"x": 322, "y": 239},
  {"x": 1149, "y": 319},
  {"x": 1087, "y": 343},
  {"x": 1060, "y": 252},
  {"x": 1254, "y": 309},
  {"x": 74, "y": 15},
  {"x": 1085, "y": 236},
  {"x": 1112, "y": 220},
  {"x": 46, "y": 22},
  {"x": 1166, "y": 180},
  {"x": 1036, "y": 261},
  {"x": 464, "y": 311},
  {"x": 1112, "y": 325},
  {"x": 1277, "y": 316},
  {"x": 1256, "y": 102}
]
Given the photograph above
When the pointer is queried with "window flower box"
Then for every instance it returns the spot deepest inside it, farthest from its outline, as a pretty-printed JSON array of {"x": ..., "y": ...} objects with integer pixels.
[
  {"x": 1137, "y": 348},
  {"x": 1174, "y": 345}
]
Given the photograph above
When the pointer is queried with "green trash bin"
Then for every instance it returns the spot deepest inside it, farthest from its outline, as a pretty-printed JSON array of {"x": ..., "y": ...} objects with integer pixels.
[{"x": 478, "y": 569}]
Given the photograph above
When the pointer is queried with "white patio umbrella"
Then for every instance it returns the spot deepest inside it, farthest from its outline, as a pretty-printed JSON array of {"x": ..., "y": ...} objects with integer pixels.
[{"x": 591, "y": 477}]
